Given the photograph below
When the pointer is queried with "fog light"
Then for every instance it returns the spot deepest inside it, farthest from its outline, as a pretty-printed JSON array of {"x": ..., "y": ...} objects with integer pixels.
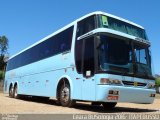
[
  {"x": 110, "y": 91},
  {"x": 152, "y": 95},
  {"x": 113, "y": 92}
]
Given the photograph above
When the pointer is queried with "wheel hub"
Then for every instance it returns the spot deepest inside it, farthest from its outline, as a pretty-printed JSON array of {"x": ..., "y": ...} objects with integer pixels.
[
  {"x": 15, "y": 93},
  {"x": 65, "y": 94}
]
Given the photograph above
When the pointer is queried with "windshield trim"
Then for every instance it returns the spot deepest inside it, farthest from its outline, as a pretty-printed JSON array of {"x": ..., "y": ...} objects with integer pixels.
[{"x": 113, "y": 33}]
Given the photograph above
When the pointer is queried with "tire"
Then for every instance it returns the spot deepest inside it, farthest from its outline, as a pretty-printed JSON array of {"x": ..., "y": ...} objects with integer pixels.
[
  {"x": 58, "y": 102},
  {"x": 11, "y": 91},
  {"x": 65, "y": 99},
  {"x": 15, "y": 93},
  {"x": 109, "y": 105}
]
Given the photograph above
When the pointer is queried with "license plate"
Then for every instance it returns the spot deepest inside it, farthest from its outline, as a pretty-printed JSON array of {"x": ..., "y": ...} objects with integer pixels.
[{"x": 110, "y": 97}]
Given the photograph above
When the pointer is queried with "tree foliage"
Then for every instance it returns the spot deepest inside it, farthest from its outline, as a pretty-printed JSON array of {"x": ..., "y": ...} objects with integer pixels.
[
  {"x": 158, "y": 82},
  {"x": 3, "y": 51},
  {"x": 3, "y": 45},
  {"x": 1, "y": 75}
]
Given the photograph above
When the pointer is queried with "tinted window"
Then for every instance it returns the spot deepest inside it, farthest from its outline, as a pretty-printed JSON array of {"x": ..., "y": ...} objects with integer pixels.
[
  {"x": 141, "y": 56},
  {"x": 52, "y": 46},
  {"x": 88, "y": 59},
  {"x": 78, "y": 55},
  {"x": 114, "y": 51},
  {"x": 112, "y": 23},
  {"x": 86, "y": 25}
]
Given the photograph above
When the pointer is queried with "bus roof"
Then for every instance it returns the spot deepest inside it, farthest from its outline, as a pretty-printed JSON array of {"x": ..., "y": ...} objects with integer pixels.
[{"x": 69, "y": 25}]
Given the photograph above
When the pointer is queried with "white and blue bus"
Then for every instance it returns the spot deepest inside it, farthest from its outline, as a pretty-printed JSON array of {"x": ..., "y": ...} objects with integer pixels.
[{"x": 99, "y": 58}]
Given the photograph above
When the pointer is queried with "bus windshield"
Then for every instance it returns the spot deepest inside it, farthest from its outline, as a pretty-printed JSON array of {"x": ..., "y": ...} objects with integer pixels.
[
  {"x": 116, "y": 56},
  {"x": 112, "y": 23}
]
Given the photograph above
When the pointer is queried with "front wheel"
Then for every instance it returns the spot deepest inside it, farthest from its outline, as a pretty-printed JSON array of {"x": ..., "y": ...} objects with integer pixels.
[
  {"x": 109, "y": 105},
  {"x": 65, "y": 99}
]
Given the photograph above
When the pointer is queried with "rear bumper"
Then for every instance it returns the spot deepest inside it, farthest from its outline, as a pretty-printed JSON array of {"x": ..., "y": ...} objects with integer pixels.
[{"x": 126, "y": 94}]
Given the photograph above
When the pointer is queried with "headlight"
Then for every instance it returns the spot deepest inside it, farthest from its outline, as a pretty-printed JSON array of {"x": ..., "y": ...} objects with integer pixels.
[
  {"x": 151, "y": 85},
  {"x": 105, "y": 81},
  {"x": 116, "y": 81},
  {"x": 109, "y": 81}
]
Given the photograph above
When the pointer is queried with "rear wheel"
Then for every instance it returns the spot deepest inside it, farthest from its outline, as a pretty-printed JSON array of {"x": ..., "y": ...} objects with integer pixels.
[
  {"x": 15, "y": 92},
  {"x": 109, "y": 105},
  {"x": 11, "y": 91},
  {"x": 65, "y": 99}
]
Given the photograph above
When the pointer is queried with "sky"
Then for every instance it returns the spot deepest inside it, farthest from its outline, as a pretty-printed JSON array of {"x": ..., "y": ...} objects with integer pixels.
[{"x": 24, "y": 22}]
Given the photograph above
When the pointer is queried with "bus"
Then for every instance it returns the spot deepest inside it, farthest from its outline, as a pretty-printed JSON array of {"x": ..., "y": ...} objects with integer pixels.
[{"x": 99, "y": 58}]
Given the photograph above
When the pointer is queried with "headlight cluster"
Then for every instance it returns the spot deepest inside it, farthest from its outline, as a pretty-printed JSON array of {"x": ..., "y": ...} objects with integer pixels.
[
  {"x": 109, "y": 81},
  {"x": 151, "y": 85}
]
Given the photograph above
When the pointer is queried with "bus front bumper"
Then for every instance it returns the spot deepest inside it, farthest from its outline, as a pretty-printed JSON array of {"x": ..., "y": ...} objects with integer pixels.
[{"x": 108, "y": 93}]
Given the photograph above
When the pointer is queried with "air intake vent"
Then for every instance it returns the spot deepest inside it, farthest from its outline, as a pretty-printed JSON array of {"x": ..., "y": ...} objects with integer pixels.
[{"x": 130, "y": 83}]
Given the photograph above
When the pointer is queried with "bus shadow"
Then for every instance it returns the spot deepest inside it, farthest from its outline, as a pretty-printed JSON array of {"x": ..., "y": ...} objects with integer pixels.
[
  {"x": 89, "y": 107},
  {"x": 100, "y": 109}
]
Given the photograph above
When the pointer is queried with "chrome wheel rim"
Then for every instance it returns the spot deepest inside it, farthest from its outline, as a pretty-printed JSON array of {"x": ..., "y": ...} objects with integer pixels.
[
  {"x": 65, "y": 94},
  {"x": 11, "y": 91},
  {"x": 15, "y": 93}
]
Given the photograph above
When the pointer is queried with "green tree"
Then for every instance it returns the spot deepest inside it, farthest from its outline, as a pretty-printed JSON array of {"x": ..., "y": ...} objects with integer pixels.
[
  {"x": 3, "y": 54},
  {"x": 157, "y": 82},
  {"x": 1, "y": 75},
  {"x": 3, "y": 45}
]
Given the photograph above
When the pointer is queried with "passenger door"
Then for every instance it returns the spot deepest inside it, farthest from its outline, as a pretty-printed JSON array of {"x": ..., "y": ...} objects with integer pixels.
[
  {"x": 84, "y": 50},
  {"x": 88, "y": 69}
]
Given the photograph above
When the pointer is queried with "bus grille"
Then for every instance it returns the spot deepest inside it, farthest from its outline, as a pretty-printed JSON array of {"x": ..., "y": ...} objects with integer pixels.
[{"x": 130, "y": 83}]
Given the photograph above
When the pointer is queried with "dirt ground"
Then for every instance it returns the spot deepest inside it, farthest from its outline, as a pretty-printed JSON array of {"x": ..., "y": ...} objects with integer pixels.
[{"x": 30, "y": 106}]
